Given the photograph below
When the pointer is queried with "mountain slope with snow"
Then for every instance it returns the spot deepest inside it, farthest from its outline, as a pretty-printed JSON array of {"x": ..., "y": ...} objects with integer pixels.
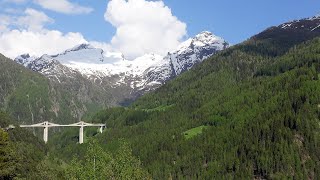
[
  {"x": 112, "y": 70},
  {"x": 189, "y": 53}
]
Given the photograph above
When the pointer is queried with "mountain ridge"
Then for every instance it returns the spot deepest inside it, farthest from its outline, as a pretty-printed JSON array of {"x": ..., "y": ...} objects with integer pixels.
[
  {"x": 257, "y": 104},
  {"x": 137, "y": 76},
  {"x": 249, "y": 112}
]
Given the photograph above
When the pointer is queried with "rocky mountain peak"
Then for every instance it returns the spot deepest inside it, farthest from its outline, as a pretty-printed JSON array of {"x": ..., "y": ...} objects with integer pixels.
[
  {"x": 24, "y": 59},
  {"x": 203, "y": 39},
  {"x": 80, "y": 47},
  {"x": 306, "y": 24},
  {"x": 314, "y": 17},
  {"x": 189, "y": 53},
  {"x": 113, "y": 69},
  {"x": 207, "y": 37}
]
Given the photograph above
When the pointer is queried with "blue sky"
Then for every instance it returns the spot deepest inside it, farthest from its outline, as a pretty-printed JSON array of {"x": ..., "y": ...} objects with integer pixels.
[
  {"x": 235, "y": 21},
  {"x": 238, "y": 20}
]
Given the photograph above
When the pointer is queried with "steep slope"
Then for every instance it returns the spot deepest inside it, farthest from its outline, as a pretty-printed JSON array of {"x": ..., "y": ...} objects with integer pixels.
[
  {"x": 20, "y": 152},
  {"x": 23, "y": 156},
  {"x": 259, "y": 107},
  {"x": 277, "y": 40},
  {"x": 189, "y": 53},
  {"x": 125, "y": 79},
  {"x": 30, "y": 97}
]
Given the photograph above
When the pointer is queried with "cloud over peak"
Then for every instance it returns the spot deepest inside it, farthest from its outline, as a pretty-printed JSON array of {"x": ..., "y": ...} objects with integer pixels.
[
  {"x": 143, "y": 27},
  {"x": 33, "y": 20},
  {"x": 37, "y": 43},
  {"x": 26, "y": 33}
]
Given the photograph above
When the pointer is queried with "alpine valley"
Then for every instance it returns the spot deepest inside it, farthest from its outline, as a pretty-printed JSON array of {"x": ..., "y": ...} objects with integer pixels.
[
  {"x": 125, "y": 79},
  {"x": 84, "y": 79},
  {"x": 108, "y": 79},
  {"x": 206, "y": 110}
]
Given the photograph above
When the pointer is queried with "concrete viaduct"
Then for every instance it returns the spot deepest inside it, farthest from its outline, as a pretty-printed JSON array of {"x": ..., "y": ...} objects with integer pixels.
[{"x": 46, "y": 125}]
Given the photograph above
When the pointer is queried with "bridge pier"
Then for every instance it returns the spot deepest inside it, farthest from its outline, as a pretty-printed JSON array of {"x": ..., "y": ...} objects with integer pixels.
[
  {"x": 45, "y": 132},
  {"x": 80, "y": 124},
  {"x": 81, "y": 135}
]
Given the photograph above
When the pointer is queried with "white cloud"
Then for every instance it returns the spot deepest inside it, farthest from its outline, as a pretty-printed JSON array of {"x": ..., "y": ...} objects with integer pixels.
[
  {"x": 101, "y": 45},
  {"x": 143, "y": 27},
  {"x": 63, "y": 6},
  {"x": 30, "y": 19},
  {"x": 4, "y": 22},
  {"x": 33, "y": 20},
  {"x": 16, "y": 42},
  {"x": 31, "y": 36}
]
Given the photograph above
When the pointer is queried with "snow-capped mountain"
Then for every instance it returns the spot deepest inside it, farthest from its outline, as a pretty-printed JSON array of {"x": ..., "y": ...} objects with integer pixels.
[
  {"x": 136, "y": 76},
  {"x": 310, "y": 24},
  {"x": 189, "y": 53},
  {"x": 25, "y": 59}
]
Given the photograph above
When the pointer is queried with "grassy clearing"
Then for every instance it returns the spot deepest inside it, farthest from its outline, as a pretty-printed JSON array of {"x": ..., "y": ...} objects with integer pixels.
[{"x": 194, "y": 131}]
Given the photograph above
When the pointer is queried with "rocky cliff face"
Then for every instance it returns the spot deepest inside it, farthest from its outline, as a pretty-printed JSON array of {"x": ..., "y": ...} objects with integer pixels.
[{"x": 188, "y": 54}]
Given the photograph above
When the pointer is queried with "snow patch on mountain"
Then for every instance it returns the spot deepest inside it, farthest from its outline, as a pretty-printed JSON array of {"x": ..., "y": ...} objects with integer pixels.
[
  {"x": 310, "y": 24},
  {"x": 189, "y": 53},
  {"x": 196, "y": 50},
  {"x": 95, "y": 67},
  {"x": 143, "y": 73},
  {"x": 25, "y": 59}
]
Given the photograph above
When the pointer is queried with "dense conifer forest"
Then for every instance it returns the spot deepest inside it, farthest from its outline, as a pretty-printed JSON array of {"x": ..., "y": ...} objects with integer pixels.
[
  {"x": 261, "y": 115},
  {"x": 249, "y": 112}
]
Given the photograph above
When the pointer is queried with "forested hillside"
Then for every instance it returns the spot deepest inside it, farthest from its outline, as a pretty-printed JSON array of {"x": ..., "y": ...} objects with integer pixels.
[
  {"x": 20, "y": 152},
  {"x": 30, "y": 97},
  {"x": 24, "y": 156},
  {"x": 251, "y": 111}
]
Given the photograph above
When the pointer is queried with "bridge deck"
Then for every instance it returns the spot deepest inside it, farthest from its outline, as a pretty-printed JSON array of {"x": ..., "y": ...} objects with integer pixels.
[{"x": 46, "y": 125}]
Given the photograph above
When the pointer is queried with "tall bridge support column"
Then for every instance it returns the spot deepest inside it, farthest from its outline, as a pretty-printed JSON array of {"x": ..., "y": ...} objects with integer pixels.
[
  {"x": 45, "y": 132},
  {"x": 81, "y": 135},
  {"x": 101, "y": 129},
  {"x": 46, "y": 125}
]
